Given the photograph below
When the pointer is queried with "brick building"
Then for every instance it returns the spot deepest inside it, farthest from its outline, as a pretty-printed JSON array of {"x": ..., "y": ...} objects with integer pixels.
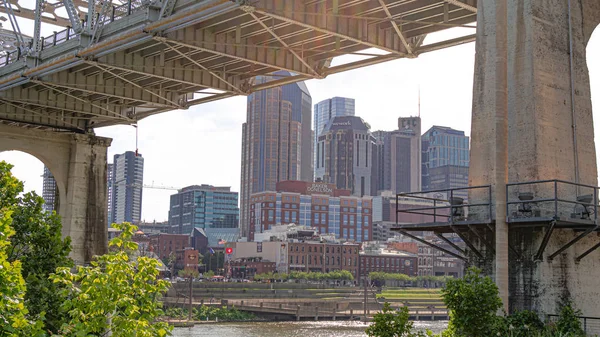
[
  {"x": 165, "y": 244},
  {"x": 388, "y": 261},
  {"x": 187, "y": 259},
  {"x": 247, "y": 268},
  {"x": 318, "y": 205},
  {"x": 296, "y": 255},
  {"x": 323, "y": 257}
]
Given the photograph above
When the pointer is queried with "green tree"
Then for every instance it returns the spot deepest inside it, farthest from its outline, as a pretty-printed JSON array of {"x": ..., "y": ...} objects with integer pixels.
[
  {"x": 13, "y": 314},
  {"x": 38, "y": 244},
  {"x": 392, "y": 323},
  {"x": 115, "y": 294},
  {"x": 473, "y": 302}
]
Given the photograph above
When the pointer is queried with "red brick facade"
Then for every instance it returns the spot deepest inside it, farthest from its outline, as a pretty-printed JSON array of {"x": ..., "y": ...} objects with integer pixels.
[
  {"x": 165, "y": 244},
  {"x": 323, "y": 257},
  {"x": 388, "y": 263},
  {"x": 347, "y": 217}
]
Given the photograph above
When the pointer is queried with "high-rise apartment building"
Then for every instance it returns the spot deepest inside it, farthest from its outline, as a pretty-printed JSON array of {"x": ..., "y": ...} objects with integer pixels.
[
  {"x": 400, "y": 153},
  {"x": 325, "y": 111},
  {"x": 445, "y": 159},
  {"x": 49, "y": 192},
  {"x": 109, "y": 192},
  {"x": 203, "y": 206},
  {"x": 344, "y": 155},
  {"x": 276, "y": 141},
  {"x": 127, "y": 181}
]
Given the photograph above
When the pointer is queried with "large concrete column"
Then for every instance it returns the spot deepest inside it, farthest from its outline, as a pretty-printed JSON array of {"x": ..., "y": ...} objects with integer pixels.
[
  {"x": 526, "y": 127},
  {"x": 489, "y": 135},
  {"x": 78, "y": 164},
  {"x": 84, "y": 208}
]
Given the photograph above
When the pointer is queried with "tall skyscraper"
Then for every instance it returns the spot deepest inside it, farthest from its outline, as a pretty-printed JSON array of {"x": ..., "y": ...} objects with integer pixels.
[
  {"x": 276, "y": 141},
  {"x": 204, "y": 206},
  {"x": 127, "y": 181},
  {"x": 445, "y": 159},
  {"x": 49, "y": 192},
  {"x": 325, "y": 111},
  {"x": 401, "y": 156},
  {"x": 345, "y": 155}
]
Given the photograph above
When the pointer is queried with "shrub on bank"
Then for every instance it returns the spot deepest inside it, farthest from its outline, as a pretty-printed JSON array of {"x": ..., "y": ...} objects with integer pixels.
[
  {"x": 205, "y": 312},
  {"x": 473, "y": 302}
]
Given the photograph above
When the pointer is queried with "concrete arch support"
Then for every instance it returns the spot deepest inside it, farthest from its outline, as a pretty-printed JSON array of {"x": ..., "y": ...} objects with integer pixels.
[
  {"x": 532, "y": 120},
  {"x": 79, "y": 165}
]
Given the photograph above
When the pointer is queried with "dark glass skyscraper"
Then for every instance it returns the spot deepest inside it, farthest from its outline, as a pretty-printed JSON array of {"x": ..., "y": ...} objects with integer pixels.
[
  {"x": 445, "y": 159},
  {"x": 325, "y": 111},
  {"x": 276, "y": 141},
  {"x": 345, "y": 155},
  {"x": 125, "y": 193}
]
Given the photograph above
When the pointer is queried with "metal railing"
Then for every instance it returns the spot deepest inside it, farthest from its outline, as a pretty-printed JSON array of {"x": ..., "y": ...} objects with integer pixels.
[
  {"x": 523, "y": 203},
  {"x": 590, "y": 325},
  {"x": 449, "y": 210},
  {"x": 9, "y": 57},
  {"x": 116, "y": 13}
]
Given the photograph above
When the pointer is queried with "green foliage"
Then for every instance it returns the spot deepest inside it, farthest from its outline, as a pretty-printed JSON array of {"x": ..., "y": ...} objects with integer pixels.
[
  {"x": 568, "y": 323},
  {"x": 336, "y": 275},
  {"x": 186, "y": 273},
  {"x": 474, "y": 302},
  {"x": 115, "y": 293},
  {"x": 38, "y": 244},
  {"x": 13, "y": 313},
  {"x": 205, "y": 312},
  {"x": 383, "y": 276},
  {"x": 392, "y": 323},
  {"x": 209, "y": 274}
]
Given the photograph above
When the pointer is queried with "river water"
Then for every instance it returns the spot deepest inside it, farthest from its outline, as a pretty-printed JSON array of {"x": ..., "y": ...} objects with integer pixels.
[{"x": 289, "y": 329}]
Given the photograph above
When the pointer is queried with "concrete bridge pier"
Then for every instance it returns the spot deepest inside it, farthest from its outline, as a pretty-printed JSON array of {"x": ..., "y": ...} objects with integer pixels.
[
  {"x": 532, "y": 120},
  {"x": 78, "y": 163}
]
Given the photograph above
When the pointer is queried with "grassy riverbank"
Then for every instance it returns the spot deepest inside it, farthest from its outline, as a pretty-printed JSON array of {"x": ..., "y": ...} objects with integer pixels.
[{"x": 204, "y": 313}]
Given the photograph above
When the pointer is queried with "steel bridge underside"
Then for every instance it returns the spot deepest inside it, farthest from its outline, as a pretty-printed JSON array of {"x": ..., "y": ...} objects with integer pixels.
[{"x": 144, "y": 64}]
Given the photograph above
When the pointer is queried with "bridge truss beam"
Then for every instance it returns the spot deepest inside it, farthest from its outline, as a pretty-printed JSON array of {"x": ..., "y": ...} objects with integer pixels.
[{"x": 146, "y": 60}]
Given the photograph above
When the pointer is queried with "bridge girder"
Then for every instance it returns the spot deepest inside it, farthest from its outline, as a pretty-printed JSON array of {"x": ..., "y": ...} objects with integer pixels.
[{"x": 143, "y": 64}]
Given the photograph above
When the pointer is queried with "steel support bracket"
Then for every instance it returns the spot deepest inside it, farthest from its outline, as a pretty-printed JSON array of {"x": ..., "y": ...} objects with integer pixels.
[
  {"x": 539, "y": 256},
  {"x": 433, "y": 245},
  {"x": 587, "y": 252},
  {"x": 572, "y": 242},
  {"x": 485, "y": 242},
  {"x": 445, "y": 239},
  {"x": 467, "y": 242}
]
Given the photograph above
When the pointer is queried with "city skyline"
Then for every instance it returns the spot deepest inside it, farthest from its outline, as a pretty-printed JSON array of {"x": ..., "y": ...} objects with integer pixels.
[{"x": 446, "y": 99}]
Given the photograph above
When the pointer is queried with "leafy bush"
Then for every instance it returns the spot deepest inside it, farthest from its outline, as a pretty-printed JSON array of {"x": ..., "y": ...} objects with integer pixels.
[
  {"x": 392, "y": 323},
  {"x": 473, "y": 301},
  {"x": 568, "y": 323},
  {"x": 205, "y": 312}
]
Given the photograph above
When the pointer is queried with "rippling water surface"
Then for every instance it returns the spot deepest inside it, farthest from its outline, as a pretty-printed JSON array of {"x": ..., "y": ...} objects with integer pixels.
[{"x": 288, "y": 329}]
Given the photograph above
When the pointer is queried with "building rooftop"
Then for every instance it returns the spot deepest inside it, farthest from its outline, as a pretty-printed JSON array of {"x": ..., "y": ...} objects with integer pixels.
[
  {"x": 346, "y": 123},
  {"x": 205, "y": 187},
  {"x": 385, "y": 252}
]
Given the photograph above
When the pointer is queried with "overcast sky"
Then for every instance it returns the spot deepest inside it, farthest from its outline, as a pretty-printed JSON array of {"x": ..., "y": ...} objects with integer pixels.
[{"x": 202, "y": 145}]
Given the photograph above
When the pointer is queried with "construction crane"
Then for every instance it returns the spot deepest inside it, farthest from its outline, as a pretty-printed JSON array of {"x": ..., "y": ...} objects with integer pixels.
[{"x": 155, "y": 187}]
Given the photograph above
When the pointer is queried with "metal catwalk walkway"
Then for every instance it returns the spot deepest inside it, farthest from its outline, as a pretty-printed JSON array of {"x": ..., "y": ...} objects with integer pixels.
[{"x": 130, "y": 60}]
